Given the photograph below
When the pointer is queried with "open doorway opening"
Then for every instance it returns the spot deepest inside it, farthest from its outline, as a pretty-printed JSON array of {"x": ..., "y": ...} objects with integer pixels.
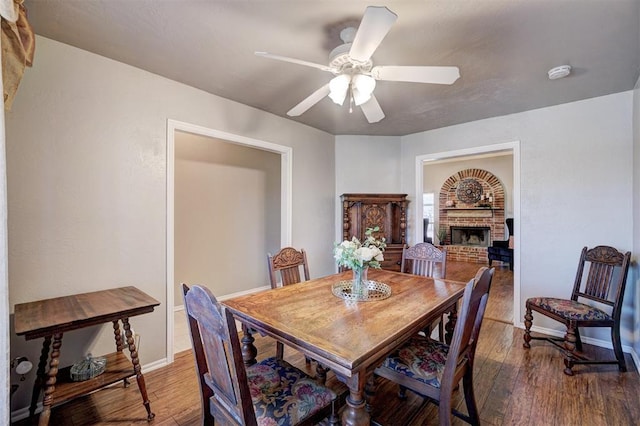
[
  {"x": 432, "y": 170},
  {"x": 228, "y": 204}
]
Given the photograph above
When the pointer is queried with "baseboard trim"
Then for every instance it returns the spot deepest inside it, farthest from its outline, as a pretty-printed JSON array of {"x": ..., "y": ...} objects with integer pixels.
[{"x": 179, "y": 308}]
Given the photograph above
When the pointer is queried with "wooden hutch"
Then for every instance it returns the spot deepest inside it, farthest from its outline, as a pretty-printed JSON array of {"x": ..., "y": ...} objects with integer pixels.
[{"x": 387, "y": 211}]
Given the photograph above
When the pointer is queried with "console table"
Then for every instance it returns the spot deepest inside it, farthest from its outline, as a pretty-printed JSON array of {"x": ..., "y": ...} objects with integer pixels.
[{"x": 51, "y": 318}]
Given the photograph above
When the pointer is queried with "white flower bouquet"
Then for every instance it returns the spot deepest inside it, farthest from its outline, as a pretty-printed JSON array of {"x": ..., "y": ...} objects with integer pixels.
[{"x": 357, "y": 255}]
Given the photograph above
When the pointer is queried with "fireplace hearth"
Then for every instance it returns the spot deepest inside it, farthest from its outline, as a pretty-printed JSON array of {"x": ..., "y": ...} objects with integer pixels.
[{"x": 474, "y": 236}]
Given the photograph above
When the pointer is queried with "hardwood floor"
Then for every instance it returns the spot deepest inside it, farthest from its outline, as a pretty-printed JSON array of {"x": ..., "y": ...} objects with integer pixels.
[{"x": 513, "y": 386}]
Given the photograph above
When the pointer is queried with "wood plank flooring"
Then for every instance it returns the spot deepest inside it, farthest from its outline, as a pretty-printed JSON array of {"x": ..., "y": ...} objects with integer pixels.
[{"x": 513, "y": 386}]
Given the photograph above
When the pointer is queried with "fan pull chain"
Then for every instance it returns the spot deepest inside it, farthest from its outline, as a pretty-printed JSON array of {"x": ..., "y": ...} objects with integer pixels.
[{"x": 350, "y": 99}]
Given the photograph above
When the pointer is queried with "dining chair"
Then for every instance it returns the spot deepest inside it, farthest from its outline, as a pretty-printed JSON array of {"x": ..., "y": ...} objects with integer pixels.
[
  {"x": 287, "y": 263},
  {"x": 267, "y": 393},
  {"x": 600, "y": 282},
  {"x": 433, "y": 369},
  {"x": 426, "y": 259}
]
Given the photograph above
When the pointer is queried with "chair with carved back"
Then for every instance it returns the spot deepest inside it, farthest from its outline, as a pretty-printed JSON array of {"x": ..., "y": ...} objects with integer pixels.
[
  {"x": 269, "y": 392},
  {"x": 287, "y": 263},
  {"x": 427, "y": 260},
  {"x": 600, "y": 280},
  {"x": 434, "y": 369}
]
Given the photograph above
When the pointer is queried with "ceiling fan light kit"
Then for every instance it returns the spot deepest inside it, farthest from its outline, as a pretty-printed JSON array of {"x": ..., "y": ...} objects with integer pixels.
[{"x": 354, "y": 72}]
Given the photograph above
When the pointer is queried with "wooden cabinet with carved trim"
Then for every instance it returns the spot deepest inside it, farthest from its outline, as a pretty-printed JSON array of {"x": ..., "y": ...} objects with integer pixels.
[{"x": 387, "y": 211}]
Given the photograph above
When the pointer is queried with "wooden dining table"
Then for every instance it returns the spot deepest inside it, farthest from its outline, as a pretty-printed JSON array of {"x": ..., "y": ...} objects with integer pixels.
[{"x": 350, "y": 338}]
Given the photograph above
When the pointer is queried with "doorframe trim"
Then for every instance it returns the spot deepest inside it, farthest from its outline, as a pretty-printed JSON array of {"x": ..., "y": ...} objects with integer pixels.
[
  {"x": 286, "y": 185},
  {"x": 514, "y": 147}
]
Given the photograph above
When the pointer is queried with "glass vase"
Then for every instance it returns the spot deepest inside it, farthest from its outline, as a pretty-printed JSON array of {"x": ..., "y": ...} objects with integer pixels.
[{"x": 360, "y": 287}]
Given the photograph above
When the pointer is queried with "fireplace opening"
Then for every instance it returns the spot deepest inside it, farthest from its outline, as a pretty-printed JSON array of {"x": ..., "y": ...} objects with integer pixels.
[{"x": 475, "y": 236}]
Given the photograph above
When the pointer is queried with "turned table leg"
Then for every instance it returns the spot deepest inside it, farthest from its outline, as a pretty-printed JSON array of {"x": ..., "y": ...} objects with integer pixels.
[
  {"x": 50, "y": 385},
  {"x": 451, "y": 324},
  {"x": 136, "y": 367},
  {"x": 355, "y": 413},
  {"x": 40, "y": 376},
  {"x": 249, "y": 351}
]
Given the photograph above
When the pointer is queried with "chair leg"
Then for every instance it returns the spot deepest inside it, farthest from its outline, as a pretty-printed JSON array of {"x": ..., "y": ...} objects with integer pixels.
[
  {"x": 570, "y": 347},
  {"x": 334, "y": 420},
  {"x": 578, "y": 340},
  {"x": 469, "y": 397},
  {"x": 279, "y": 350},
  {"x": 402, "y": 392},
  {"x": 528, "y": 321},
  {"x": 441, "y": 328},
  {"x": 321, "y": 373},
  {"x": 617, "y": 347}
]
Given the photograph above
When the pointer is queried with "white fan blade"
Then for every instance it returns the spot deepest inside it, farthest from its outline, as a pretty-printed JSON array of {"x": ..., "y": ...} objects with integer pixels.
[
  {"x": 295, "y": 61},
  {"x": 310, "y": 101},
  {"x": 372, "y": 110},
  {"x": 375, "y": 25},
  {"x": 417, "y": 74}
]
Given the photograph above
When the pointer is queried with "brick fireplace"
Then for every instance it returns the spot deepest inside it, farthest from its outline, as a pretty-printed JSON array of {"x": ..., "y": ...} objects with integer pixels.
[{"x": 471, "y": 209}]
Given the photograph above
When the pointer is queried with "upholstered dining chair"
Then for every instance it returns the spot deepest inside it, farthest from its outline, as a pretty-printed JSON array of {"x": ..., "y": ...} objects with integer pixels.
[
  {"x": 267, "y": 393},
  {"x": 425, "y": 259},
  {"x": 433, "y": 369},
  {"x": 287, "y": 263},
  {"x": 596, "y": 301}
]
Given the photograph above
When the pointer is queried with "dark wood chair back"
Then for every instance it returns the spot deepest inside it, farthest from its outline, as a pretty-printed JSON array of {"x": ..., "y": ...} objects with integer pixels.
[
  {"x": 288, "y": 262},
  {"x": 600, "y": 264},
  {"x": 222, "y": 375},
  {"x": 465, "y": 335},
  {"x": 424, "y": 259},
  {"x": 459, "y": 355}
]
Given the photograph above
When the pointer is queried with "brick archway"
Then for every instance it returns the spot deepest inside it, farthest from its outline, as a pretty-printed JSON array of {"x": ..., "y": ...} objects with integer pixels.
[{"x": 486, "y": 212}]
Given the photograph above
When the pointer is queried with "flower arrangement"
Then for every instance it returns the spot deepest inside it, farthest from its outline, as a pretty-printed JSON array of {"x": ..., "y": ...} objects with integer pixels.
[{"x": 357, "y": 255}]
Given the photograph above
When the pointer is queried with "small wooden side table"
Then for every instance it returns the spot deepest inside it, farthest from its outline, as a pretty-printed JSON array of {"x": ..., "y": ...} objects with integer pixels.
[{"x": 51, "y": 318}]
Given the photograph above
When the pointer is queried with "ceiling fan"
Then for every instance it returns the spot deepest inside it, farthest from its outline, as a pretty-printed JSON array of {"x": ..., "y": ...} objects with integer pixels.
[{"x": 355, "y": 75}]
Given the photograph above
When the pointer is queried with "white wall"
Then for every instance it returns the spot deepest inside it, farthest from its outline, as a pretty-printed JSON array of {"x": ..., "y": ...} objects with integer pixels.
[
  {"x": 227, "y": 214},
  {"x": 86, "y": 160},
  {"x": 365, "y": 165},
  {"x": 576, "y": 164}
]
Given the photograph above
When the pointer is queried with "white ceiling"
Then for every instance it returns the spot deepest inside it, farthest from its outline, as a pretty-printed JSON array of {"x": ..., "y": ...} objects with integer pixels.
[{"x": 503, "y": 48}]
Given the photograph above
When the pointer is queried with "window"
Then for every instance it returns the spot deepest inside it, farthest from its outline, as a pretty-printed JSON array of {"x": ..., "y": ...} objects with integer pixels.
[{"x": 428, "y": 212}]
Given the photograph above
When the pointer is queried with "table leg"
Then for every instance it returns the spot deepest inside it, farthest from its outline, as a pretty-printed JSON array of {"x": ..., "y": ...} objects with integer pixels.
[
  {"x": 47, "y": 401},
  {"x": 249, "y": 351},
  {"x": 39, "y": 382},
  {"x": 354, "y": 413},
  {"x": 136, "y": 367},
  {"x": 119, "y": 345},
  {"x": 451, "y": 324}
]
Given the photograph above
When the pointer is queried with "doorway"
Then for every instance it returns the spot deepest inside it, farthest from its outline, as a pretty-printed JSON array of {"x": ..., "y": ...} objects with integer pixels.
[
  {"x": 476, "y": 155},
  {"x": 228, "y": 202}
]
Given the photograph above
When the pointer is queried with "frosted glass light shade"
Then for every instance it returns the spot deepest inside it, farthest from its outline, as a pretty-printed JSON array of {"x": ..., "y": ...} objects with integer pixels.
[
  {"x": 362, "y": 86},
  {"x": 338, "y": 87}
]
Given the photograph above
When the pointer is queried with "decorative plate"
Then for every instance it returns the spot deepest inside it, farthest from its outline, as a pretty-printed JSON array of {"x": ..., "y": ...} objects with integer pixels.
[{"x": 469, "y": 191}]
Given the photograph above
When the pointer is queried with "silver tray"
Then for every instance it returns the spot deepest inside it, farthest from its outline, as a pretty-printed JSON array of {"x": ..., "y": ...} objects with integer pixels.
[{"x": 375, "y": 291}]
